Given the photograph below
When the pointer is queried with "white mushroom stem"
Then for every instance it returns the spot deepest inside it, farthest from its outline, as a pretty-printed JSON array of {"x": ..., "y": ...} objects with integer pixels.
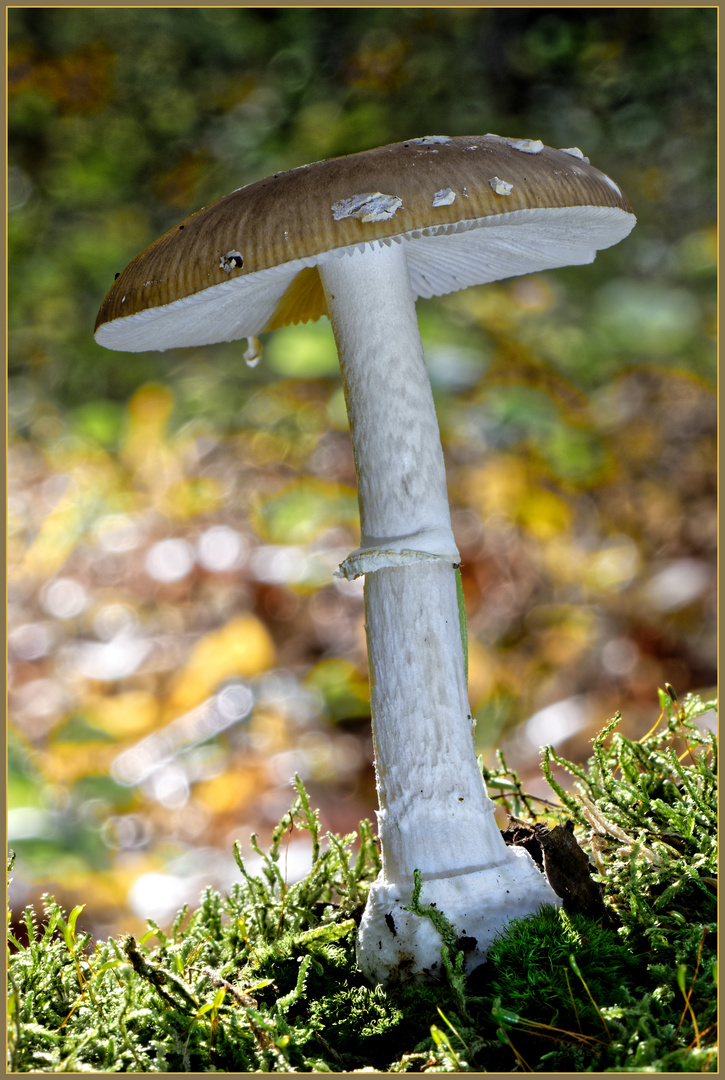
[
  {"x": 401, "y": 476},
  {"x": 434, "y": 813}
]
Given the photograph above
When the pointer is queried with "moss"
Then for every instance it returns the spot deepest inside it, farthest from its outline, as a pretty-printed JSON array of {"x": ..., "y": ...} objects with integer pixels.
[{"x": 265, "y": 979}]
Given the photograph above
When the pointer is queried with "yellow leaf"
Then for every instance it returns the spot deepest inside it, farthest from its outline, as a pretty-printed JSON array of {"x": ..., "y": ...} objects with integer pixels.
[
  {"x": 544, "y": 514},
  {"x": 123, "y": 715},
  {"x": 146, "y": 448},
  {"x": 243, "y": 648},
  {"x": 269, "y": 731},
  {"x": 233, "y": 790},
  {"x": 70, "y": 761},
  {"x": 89, "y": 489},
  {"x": 504, "y": 488},
  {"x": 191, "y": 497},
  {"x": 497, "y": 488}
]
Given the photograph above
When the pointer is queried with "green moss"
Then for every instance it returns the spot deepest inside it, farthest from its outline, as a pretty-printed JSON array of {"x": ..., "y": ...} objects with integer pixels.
[
  {"x": 265, "y": 979},
  {"x": 534, "y": 976}
]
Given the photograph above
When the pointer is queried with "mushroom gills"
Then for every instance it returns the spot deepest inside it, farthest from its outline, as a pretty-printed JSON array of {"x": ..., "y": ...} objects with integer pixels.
[{"x": 303, "y": 301}]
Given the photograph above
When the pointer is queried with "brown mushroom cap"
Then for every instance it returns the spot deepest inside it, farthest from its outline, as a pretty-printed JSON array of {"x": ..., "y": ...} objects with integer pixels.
[{"x": 472, "y": 209}]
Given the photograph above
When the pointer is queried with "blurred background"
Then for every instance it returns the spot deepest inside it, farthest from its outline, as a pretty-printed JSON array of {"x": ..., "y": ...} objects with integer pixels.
[{"x": 178, "y": 645}]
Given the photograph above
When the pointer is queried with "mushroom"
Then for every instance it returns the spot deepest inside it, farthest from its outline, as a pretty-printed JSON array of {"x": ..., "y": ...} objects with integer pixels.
[{"x": 360, "y": 238}]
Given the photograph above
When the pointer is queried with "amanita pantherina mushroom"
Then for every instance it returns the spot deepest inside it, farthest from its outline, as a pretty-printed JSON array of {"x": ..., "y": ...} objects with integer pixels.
[{"x": 359, "y": 238}]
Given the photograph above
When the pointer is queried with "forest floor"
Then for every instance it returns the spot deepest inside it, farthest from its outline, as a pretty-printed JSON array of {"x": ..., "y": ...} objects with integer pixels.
[{"x": 622, "y": 978}]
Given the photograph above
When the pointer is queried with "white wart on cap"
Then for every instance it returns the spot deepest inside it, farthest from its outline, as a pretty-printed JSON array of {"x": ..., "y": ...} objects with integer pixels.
[{"x": 470, "y": 210}]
